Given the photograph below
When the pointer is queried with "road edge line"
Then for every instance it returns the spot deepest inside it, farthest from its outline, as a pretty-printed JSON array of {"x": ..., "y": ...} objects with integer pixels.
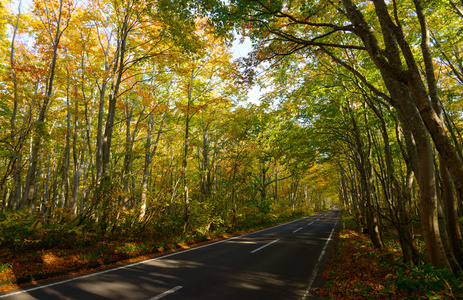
[{"x": 317, "y": 265}]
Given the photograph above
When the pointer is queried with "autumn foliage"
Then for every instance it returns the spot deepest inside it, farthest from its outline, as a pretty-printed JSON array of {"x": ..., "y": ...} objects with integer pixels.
[{"x": 132, "y": 118}]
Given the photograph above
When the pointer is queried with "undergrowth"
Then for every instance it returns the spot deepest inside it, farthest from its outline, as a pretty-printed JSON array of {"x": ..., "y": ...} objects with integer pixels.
[{"x": 357, "y": 270}]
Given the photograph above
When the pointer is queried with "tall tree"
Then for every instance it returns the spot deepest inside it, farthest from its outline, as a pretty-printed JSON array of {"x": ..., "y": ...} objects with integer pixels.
[{"x": 54, "y": 18}]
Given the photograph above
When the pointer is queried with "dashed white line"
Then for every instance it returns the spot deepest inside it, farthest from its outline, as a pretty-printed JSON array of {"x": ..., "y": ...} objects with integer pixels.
[
  {"x": 260, "y": 248},
  {"x": 310, "y": 223},
  {"x": 297, "y": 230},
  {"x": 172, "y": 290}
]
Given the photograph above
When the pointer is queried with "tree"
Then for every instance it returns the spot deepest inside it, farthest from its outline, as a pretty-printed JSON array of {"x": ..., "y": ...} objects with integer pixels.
[
  {"x": 54, "y": 18},
  {"x": 285, "y": 28}
]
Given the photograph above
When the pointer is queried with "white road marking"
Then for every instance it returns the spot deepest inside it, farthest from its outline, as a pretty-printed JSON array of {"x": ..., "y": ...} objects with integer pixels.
[
  {"x": 297, "y": 230},
  {"x": 317, "y": 265},
  {"x": 260, "y": 248},
  {"x": 137, "y": 263},
  {"x": 173, "y": 290},
  {"x": 310, "y": 223}
]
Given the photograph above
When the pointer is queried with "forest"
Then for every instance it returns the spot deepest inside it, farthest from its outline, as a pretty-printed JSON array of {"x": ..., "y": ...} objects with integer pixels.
[{"x": 128, "y": 119}]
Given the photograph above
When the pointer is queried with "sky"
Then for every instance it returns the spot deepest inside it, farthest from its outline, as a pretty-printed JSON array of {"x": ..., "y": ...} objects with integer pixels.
[{"x": 241, "y": 50}]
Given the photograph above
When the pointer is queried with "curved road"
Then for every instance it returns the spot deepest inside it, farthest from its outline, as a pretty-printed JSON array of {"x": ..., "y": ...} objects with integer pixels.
[{"x": 280, "y": 262}]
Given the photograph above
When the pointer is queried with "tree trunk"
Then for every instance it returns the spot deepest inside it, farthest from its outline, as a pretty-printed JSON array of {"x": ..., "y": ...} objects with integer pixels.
[
  {"x": 449, "y": 193},
  {"x": 104, "y": 188},
  {"x": 101, "y": 102},
  {"x": 426, "y": 179},
  {"x": 17, "y": 156},
  {"x": 149, "y": 155},
  {"x": 67, "y": 154},
  {"x": 31, "y": 181},
  {"x": 399, "y": 211},
  {"x": 413, "y": 101},
  {"x": 364, "y": 166},
  {"x": 77, "y": 163},
  {"x": 185, "y": 154}
]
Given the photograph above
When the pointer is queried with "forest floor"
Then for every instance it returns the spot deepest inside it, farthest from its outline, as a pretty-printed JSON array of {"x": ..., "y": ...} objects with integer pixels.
[{"x": 357, "y": 270}]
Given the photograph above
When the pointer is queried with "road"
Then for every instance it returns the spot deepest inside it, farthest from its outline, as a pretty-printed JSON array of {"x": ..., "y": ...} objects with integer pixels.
[{"x": 276, "y": 263}]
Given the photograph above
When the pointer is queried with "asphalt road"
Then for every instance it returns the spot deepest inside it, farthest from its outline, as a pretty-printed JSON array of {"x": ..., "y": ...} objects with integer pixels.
[{"x": 281, "y": 262}]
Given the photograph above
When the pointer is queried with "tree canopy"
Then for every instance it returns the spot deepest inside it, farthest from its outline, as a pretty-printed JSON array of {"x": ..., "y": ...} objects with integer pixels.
[{"x": 122, "y": 115}]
